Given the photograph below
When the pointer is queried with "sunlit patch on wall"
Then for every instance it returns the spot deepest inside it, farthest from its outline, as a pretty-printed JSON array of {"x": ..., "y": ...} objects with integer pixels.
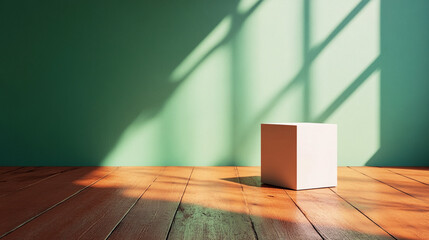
[
  {"x": 245, "y": 5},
  {"x": 192, "y": 128},
  {"x": 358, "y": 120},
  {"x": 209, "y": 44},
  {"x": 138, "y": 145},
  {"x": 326, "y": 17},
  {"x": 196, "y": 119},
  {"x": 343, "y": 86},
  {"x": 255, "y": 67},
  {"x": 273, "y": 37},
  {"x": 288, "y": 109},
  {"x": 345, "y": 57},
  {"x": 269, "y": 60}
]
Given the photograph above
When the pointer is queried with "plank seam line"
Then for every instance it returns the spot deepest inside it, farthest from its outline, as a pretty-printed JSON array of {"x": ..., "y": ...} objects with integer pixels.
[
  {"x": 178, "y": 205},
  {"x": 363, "y": 213},
  {"x": 39, "y": 181},
  {"x": 245, "y": 202},
  {"x": 407, "y": 177},
  {"x": 305, "y": 215},
  {"x": 55, "y": 205},
  {"x": 132, "y": 205},
  {"x": 384, "y": 183}
]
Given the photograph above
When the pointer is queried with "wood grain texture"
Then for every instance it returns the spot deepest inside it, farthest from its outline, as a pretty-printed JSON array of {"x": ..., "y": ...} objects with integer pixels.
[
  {"x": 18, "y": 207},
  {"x": 4, "y": 170},
  {"x": 154, "y": 212},
  {"x": 93, "y": 213},
  {"x": 212, "y": 207},
  {"x": 401, "y": 215},
  {"x": 10, "y": 172},
  {"x": 420, "y": 174},
  {"x": 333, "y": 217},
  {"x": 273, "y": 213},
  {"x": 28, "y": 176},
  {"x": 409, "y": 186},
  {"x": 209, "y": 203}
]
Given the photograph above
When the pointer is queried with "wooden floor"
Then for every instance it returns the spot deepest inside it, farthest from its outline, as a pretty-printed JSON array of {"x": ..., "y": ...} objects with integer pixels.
[{"x": 209, "y": 203}]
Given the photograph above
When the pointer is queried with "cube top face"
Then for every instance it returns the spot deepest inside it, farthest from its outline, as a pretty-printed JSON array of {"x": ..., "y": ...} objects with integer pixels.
[{"x": 299, "y": 155}]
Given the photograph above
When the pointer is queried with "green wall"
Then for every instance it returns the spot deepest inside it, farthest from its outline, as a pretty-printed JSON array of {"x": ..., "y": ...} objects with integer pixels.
[{"x": 189, "y": 82}]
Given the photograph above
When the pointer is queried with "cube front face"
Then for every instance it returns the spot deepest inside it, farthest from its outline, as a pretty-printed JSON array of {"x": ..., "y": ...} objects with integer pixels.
[
  {"x": 299, "y": 156},
  {"x": 278, "y": 155}
]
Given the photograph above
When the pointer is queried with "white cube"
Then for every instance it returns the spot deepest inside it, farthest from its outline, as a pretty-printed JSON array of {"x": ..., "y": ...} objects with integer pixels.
[{"x": 299, "y": 155}]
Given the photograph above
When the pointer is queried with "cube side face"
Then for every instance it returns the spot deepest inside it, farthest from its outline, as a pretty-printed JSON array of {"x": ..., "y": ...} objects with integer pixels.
[
  {"x": 316, "y": 156},
  {"x": 278, "y": 155}
]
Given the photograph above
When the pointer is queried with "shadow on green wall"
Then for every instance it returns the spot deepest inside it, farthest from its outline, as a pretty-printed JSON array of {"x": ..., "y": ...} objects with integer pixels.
[
  {"x": 404, "y": 113},
  {"x": 74, "y": 75}
]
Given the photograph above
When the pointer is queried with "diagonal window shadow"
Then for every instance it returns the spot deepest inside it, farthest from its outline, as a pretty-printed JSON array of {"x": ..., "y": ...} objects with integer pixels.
[
  {"x": 315, "y": 51},
  {"x": 300, "y": 76},
  {"x": 349, "y": 91},
  {"x": 236, "y": 24}
]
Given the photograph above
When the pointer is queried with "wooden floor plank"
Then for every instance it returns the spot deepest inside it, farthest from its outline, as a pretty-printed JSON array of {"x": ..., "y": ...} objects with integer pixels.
[
  {"x": 4, "y": 170},
  {"x": 93, "y": 213},
  {"x": 401, "y": 215},
  {"x": 19, "y": 207},
  {"x": 28, "y": 176},
  {"x": 16, "y": 171},
  {"x": 212, "y": 207},
  {"x": 420, "y": 174},
  {"x": 333, "y": 217},
  {"x": 153, "y": 214},
  {"x": 273, "y": 213},
  {"x": 209, "y": 203},
  {"x": 414, "y": 188}
]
